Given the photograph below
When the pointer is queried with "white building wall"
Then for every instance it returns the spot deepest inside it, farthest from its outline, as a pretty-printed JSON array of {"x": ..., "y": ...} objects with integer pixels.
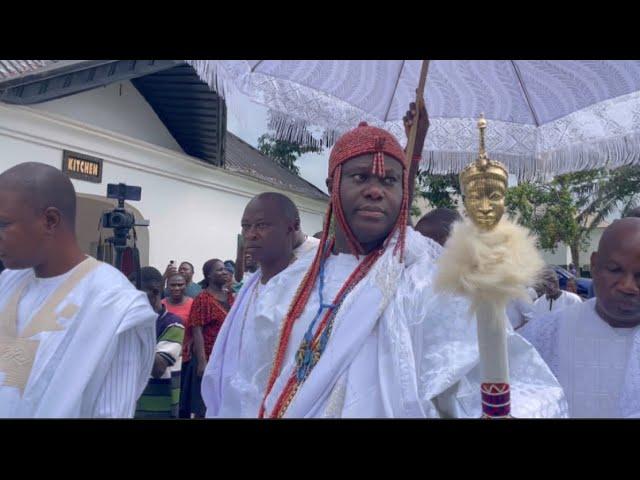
[
  {"x": 594, "y": 239},
  {"x": 585, "y": 254},
  {"x": 118, "y": 107},
  {"x": 561, "y": 256},
  {"x": 194, "y": 208}
]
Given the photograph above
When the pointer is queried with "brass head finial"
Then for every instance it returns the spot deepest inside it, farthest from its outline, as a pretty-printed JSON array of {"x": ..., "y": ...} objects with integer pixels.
[
  {"x": 483, "y": 166},
  {"x": 484, "y": 183}
]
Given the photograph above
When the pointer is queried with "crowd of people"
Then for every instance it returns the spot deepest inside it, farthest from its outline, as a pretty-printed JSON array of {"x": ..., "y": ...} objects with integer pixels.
[
  {"x": 191, "y": 314},
  {"x": 200, "y": 310},
  {"x": 343, "y": 323}
]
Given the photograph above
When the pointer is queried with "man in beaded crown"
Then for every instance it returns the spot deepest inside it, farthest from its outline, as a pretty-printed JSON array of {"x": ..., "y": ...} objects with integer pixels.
[{"x": 356, "y": 329}]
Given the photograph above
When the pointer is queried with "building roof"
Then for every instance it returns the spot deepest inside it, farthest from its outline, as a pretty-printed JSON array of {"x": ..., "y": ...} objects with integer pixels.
[
  {"x": 243, "y": 158},
  {"x": 186, "y": 106},
  {"x": 15, "y": 68},
  {"x": 193, "y": 113}
]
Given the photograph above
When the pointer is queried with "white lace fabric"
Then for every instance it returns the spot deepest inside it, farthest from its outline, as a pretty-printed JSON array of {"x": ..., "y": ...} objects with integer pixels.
[{"x": 575, "y": 114}]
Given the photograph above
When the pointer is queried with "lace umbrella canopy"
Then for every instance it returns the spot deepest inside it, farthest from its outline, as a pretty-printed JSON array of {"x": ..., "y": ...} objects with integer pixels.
[{"x": 545, "y": 116}]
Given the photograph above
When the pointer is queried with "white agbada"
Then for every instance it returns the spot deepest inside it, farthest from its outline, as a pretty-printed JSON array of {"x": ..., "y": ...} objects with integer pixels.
[
  {"x": 519, "y": 312},
  {"x": 544, "y": 305},
  {"x": 597, "y": 365},
  {"x": 93, "y": 335},
  {"x": 396, "y": 350}
]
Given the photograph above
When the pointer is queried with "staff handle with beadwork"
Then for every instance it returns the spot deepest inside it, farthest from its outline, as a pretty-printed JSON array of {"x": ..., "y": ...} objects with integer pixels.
[
  {"x": 494, "y": 360},
  {"x": 411, "y": 142}
]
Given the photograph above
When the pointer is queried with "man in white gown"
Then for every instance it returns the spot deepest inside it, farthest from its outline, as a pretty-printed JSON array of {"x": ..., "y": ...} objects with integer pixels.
[
  {"x": 355, "y": 329},
  {"x": 302, "y": 243},
  {"x": 553, "y": 298},
  {"x": 76, "y": 338},
  {"x": 593, "y": 347},
  {"x": 270, "y": 234}
]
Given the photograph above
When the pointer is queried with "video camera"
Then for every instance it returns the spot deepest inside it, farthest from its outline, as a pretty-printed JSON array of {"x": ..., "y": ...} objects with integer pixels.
[
  {"x": 119, "y": 219},
  {"x": 122, "y": 221}
]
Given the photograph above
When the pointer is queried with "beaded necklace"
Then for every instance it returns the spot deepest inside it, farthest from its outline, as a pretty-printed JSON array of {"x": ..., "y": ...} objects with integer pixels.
[{"x": 312, "y": 346}]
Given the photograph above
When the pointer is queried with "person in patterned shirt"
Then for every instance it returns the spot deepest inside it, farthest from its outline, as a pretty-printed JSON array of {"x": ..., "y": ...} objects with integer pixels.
[{"x": 161, "y": 396}]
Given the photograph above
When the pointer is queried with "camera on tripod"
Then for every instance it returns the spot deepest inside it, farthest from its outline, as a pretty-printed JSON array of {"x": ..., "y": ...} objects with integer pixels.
[
  {"x": 119, "y": 218},
  {"x": 122, "y": 221}
]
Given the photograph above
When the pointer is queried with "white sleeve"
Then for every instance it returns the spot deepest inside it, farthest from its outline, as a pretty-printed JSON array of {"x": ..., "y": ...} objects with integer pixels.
[
  {"x": 121, "y": 388},
  {"x": 542, "y": 333},
  {"x": 519, "y": 312},
  {"x": 575, "y": 299}
]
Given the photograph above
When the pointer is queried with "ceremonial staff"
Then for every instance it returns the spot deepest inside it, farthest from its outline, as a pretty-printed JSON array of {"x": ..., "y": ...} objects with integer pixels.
[{"x": 490, "y": 260}]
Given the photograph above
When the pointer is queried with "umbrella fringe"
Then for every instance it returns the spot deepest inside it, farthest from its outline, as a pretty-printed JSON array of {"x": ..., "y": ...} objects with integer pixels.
[
  {"x": 297, "y": 130},
  {"x": 442, "y": 163},
  {"x": 286, "y": 127},
  {"x": 212, "y": 74},
  {"x": 610, "y": 153},
  {"x": 606, "y": 153}
]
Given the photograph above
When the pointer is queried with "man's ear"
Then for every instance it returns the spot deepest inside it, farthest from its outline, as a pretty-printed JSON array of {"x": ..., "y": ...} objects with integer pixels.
[
  {"x": 52, "y": 219},
  {"x": 329, "y": 181}
]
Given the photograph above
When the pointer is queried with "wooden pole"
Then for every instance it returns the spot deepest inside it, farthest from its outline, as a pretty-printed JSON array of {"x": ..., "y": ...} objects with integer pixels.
[
  {"x": 413, "y": 169},
  {"x": 424, "y": 70}
]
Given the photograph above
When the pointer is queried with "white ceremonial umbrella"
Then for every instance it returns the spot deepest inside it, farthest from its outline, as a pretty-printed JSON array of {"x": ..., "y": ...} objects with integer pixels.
[{"x": 544, "y": 116}]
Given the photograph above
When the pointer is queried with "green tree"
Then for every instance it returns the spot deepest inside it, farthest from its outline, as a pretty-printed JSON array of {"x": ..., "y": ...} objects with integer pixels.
[
  {"x": 440, "y": 191},
  {"x": 284, "y": 152},
  {"x": 549, "y": 210},
  {"x": 569, "y": 207}
]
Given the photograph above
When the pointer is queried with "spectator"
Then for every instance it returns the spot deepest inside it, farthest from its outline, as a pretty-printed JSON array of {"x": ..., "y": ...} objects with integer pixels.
[
  {"x": 208, "y": 312},
  {"x": 186, "y": 270},
  {"x": 77, "y": 338},
  {"x": 160, "y": 397},
  {"x": 592, "y": 347},
  {"x": 553, "y": 298},
  {"x": 177, "y": 302},
  {"x": 437, "y": 224}
]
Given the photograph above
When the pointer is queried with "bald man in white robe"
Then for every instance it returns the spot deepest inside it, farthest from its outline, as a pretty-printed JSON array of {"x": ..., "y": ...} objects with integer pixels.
[
  {"x": 76, "y": 338},
  {"x": 593, "y": 347}
]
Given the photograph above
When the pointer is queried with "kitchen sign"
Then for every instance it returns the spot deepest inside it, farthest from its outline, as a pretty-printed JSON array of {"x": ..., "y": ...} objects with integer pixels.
[{"x": 82, "y": 167}]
